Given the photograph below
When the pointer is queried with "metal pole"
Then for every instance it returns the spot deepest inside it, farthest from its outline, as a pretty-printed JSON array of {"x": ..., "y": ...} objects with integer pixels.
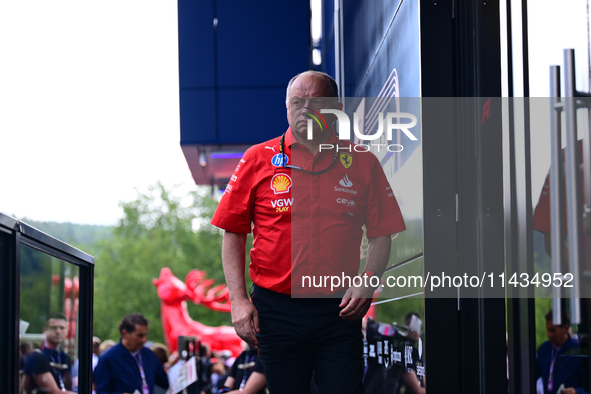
[
  {"x": 339, "y": 46},
  {"x": 572, "y": 183},
  {"x": 587, "y": 175},
  {"x": 556, "y": 191}
]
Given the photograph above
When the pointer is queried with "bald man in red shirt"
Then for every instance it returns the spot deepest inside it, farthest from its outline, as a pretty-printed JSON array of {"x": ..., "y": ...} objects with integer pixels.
[{"x": 306, "y": 207}]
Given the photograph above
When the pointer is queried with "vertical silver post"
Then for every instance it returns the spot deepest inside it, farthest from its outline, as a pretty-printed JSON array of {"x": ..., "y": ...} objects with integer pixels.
[
  {"x": 339, "y": 46},
  {"x": 573, "y": 200},
  {"x": 556, "y": 191},
  {"x": 587, "y": 179},
  {"x": 587, "y": 190}
]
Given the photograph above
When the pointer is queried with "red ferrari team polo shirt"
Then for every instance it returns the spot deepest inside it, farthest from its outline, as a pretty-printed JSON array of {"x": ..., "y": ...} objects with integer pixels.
[{"x": 306, "y": 224}]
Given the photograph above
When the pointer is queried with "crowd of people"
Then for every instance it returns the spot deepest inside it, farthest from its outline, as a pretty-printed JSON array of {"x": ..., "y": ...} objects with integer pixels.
[{"x": 133, "y": 364}]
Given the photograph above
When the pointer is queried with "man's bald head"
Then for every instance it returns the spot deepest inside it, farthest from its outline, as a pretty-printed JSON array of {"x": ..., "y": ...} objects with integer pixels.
[
  {"x": 333, "y": 88},
  {"x": 309, "y": 92}
]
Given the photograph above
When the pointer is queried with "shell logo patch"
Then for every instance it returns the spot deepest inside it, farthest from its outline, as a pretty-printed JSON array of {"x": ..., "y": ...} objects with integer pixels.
[
  {"x": 280, "y": 183},
  {"x": 346, "y": 159}
]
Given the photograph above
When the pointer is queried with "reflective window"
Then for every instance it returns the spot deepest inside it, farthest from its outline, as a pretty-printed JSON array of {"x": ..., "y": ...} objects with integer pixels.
[
  {"x": 555, "y": 365},
  {"x": 395, "y": 347},
  {"x": 48, "y": 317}
]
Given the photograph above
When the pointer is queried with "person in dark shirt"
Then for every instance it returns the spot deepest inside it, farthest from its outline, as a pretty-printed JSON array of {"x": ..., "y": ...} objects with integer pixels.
[
  {"x": 48, "y": 369},
  {"x": 129, "y": 366},
  {"x": 247, "y": 375},
  {"x": 558, "y": 364}
]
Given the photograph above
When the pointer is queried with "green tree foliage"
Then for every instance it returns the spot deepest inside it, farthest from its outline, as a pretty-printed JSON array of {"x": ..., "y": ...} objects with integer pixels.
[
  {"x": 157, "y": 230},
  {"x": 85, "y": 237},
  {"x": 406, "y": 245},
  {"x": 36, "y": 288}
]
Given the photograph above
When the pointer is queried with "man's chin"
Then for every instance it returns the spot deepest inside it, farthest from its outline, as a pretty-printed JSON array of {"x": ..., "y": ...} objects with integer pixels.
[{"x": 300, "y": 132}]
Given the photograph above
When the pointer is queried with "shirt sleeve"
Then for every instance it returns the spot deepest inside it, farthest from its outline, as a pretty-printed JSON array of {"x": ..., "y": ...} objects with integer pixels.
[
  {"x": 235, "y": 211},
  {"x": 101, "y": 376},
  {"x": 258, "y": 367},
  {"x": 537, "y": 369},
  {"x": 383, "y": 213},
  {"x": 36, "y": 364},
  {"x": 68, "y": 362},
  {"x": 161, "y": 378},
  {"x": 234, "y": 369}
]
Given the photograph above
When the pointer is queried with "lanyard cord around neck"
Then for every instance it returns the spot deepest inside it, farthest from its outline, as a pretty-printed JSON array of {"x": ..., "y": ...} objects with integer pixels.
[
  {"x": 245, "y": 376},
  {"x": 58, "y": 370},
  {"x": 138, "y": 359},
  {"x": 285, "y": 166},
  {"x": 555, "y": 351}
]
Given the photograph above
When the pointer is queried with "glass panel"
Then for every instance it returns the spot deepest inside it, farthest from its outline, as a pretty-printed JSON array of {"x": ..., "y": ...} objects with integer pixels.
[
  {"x": 568, "y": 359},
  {"x": 48, "y": 317},
  {"x": 394, "y": 349},
  {"x": 545, "y": 48},
  {"x": 392, "y": 354},
  {"x": 395, "y": 352}
]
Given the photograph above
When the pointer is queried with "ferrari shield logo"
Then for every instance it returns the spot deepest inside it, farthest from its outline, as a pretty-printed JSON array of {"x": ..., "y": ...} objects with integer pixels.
[{"x": 346, "y": 159}]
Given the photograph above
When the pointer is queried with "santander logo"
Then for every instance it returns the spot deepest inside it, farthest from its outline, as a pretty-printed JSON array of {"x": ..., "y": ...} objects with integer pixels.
[{"x": 346, "y": 182}]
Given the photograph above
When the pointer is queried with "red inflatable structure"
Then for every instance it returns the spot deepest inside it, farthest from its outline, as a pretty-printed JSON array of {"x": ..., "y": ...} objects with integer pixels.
[
  {"x": 71, "y": 289},
  {"x": 176, "y": 321}
]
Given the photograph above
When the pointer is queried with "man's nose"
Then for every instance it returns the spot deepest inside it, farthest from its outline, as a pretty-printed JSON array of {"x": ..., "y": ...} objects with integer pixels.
[{"x": 307, "y": 105}]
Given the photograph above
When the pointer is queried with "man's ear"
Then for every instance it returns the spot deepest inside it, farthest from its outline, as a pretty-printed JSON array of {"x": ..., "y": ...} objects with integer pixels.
[{"x": 340, "y": 105}]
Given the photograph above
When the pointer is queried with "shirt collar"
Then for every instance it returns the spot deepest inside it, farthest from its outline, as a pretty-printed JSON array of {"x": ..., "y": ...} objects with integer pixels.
[
  {"x": 289, "y": 137},
  {"x": 48, "y": 346}
]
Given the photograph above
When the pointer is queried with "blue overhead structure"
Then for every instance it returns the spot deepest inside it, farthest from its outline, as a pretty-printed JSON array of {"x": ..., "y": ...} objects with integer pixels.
[
  {"x": 372, "y": 48},
  {"x": 235, "y": 59}
]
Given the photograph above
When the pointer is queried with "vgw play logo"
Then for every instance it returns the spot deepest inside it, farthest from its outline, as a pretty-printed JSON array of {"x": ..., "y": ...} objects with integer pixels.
[{"x": 384, "y": 122}]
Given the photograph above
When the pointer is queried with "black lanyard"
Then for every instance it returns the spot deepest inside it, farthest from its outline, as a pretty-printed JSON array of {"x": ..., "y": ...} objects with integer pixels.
[{"x": 283, "y": 157}]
